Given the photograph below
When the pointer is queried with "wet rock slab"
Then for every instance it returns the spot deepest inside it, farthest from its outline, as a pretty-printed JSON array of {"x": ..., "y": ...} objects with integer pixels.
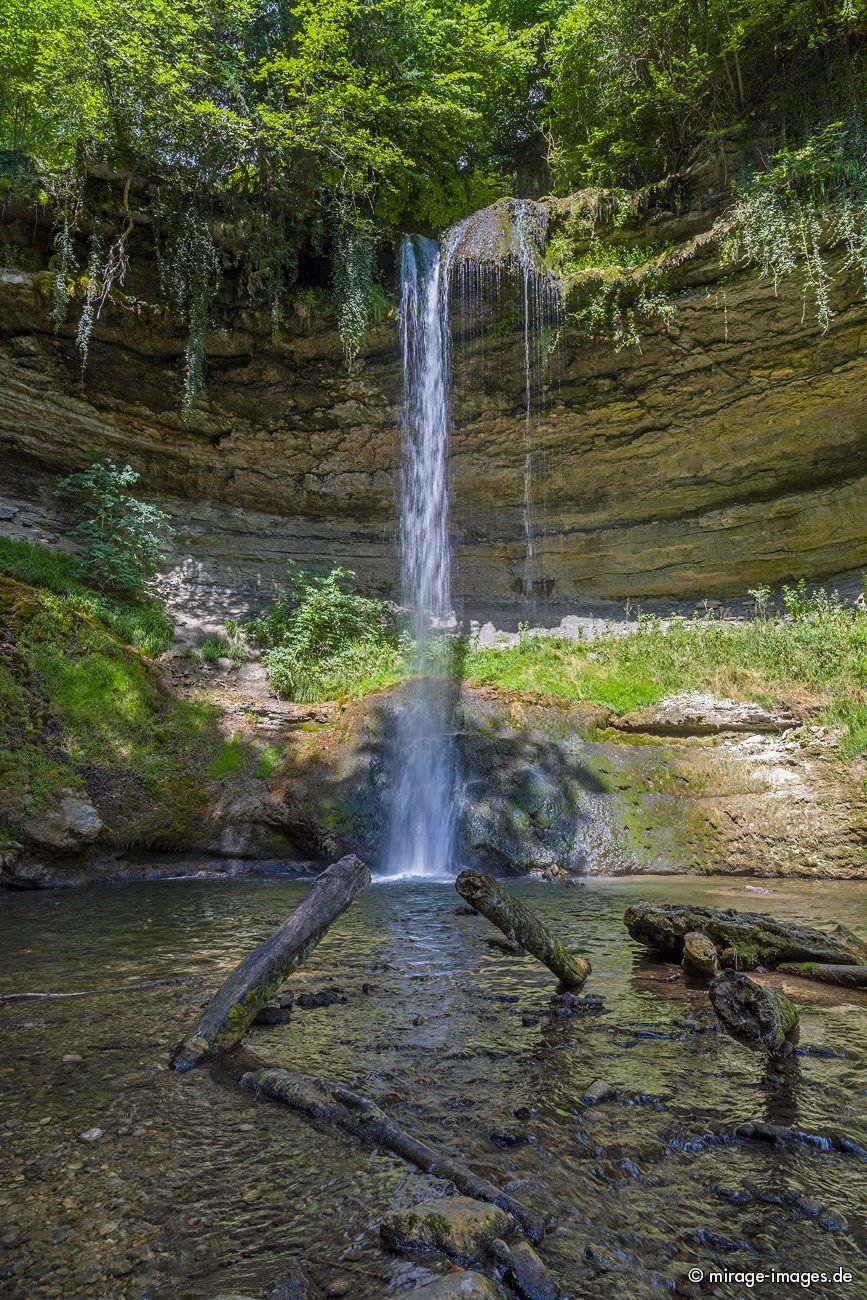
[
  {"x": 458, "y": 1286},
  {"x": 461, "y": 1228}
]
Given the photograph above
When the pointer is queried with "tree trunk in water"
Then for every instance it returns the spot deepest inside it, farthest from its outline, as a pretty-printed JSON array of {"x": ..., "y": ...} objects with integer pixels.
[
  {"x": 847, "y": 977},
  {"x": 233, "y": 1008},
  {"x": 743, "y": 939},
  {"x": 522, "y": 926},
  {"x": 363, "y": 1118},
  {"x": 757, "y": 1017}
]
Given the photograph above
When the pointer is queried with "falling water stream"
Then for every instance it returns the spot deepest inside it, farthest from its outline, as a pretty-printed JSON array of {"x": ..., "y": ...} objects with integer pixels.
[
  {"x": 422, "y": 833},
  {"x": 423, "y": 818}
]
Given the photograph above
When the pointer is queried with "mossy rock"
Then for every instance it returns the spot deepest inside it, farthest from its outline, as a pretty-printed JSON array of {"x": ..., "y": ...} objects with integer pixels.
[
  {"x": 465, "y": 1285},
  {"x": 457, "y": 1226}
]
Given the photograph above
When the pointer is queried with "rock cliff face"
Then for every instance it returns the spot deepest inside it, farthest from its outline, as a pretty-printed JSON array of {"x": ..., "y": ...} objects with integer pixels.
[
  {"x": 695, "y": 784},
  {"x": 729, "y": 449},
  {"x": 692, "y": 785}
]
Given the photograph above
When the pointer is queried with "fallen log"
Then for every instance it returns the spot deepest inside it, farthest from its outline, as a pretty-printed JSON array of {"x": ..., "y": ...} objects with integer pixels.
[
  {"x": 743, "y": 939},
  {"x": 361, "y": 1117},
  {"x": 521, "y": 926},
  {"x": 847, "y": 977},
  {"x": 760, "y": 1018},
  {"x": 235, "y": 1005}
]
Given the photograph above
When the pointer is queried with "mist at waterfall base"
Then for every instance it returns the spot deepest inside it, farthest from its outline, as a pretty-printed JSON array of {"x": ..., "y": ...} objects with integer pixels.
[
  {"x": 437, "y": 281},
  {"x": 422, "y": 832}
]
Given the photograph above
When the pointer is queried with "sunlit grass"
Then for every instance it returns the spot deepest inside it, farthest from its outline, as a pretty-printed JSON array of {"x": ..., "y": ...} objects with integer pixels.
[
  {"x": 816, "y": 663},
  {"x": 142, "y": 624}
]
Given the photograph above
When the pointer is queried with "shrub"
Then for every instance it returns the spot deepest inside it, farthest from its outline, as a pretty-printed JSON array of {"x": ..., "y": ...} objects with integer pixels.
[
  {"x": 121, "y": 538},
  {"x": 322, "y": 639}
]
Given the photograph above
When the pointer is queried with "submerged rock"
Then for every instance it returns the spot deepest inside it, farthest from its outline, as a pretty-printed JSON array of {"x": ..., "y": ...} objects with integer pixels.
[
  {"x": 458, "y": 1286},
  {"x": 598, "y": 1092},
  {"x": 458, "y": 1226},
  {"x": 524, "y": 1269},
  {"x": 324, "y": 998}
]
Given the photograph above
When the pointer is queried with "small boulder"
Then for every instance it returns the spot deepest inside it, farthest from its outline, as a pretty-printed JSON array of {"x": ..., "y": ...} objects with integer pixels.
[
  {"x": 598, "y": 1092},
  {"x": 699, "y": 955},
  {"x": 458, "y": 1226},
  {"x": 324, "y": 998},
  {"x": 458, "y": 1286},
  {"x": 63, "y": 821},
  {"x": 273, "y": 1014},
  {"x": 553, "y": 874}
]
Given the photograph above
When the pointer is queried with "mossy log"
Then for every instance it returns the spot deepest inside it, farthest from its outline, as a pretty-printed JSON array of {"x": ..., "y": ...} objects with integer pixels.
[
  {"x": 237, "y": 1002},
  {"x": 360, "y": 1116},
  {"x": 847, "y": 977},
  {"x": 743, "y": 939},
  {"x": 761, "y": 1018},
  {"x": 521, "y": 925}
]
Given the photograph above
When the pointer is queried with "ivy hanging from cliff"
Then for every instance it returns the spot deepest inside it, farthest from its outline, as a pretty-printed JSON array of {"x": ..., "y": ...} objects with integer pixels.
[
  {"x": 270, "y": 262},
  {"x": 191, "y": 272},
  {"x": 355, "y": 280},
  {"x": 802, "y": 205}
]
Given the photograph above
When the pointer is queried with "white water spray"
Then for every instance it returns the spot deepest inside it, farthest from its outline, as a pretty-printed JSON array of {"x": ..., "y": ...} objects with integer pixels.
[{"x": 423, "y": 817}]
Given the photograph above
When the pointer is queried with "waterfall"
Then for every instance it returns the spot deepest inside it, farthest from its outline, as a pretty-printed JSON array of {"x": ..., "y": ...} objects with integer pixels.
[{"x": 423, "y": 816}]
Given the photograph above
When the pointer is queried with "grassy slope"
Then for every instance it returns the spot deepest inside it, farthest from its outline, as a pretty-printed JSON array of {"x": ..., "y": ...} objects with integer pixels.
[
  {"x": 81, "y": 701},
  {"x": 818, "y": 663}
]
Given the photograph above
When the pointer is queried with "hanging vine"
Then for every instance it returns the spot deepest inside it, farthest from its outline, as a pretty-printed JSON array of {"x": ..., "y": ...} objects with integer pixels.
[
  {"x": 67, "y": 197},
  {"x": 801, "y": 205},
  {"x": 270, "y": 263},
  {"x": 355, "y": 280},
  {"x": 190, "y": 274}
]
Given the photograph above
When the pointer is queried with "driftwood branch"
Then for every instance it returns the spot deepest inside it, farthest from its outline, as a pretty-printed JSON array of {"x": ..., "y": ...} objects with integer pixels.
[
  {"x": 521, "y": 926},
  {"x": 358, "y": 1115},
  {"x": 92, "y": 993},
  {"x": 235, "y": 1005},
  {"x": 757, "y": 1017}
]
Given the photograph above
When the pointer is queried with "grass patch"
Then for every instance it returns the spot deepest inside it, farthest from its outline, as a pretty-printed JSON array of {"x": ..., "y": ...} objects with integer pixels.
[
  {"x": 230, "y": 759},
  {"x": 816, "y": 661},
  {"x": 143, "y": 624},
  {"x": 269, "y": 760}
]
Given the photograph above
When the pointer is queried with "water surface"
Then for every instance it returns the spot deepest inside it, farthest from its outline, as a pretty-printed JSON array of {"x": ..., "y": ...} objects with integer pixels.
[{"x": 197, "y": 1188}]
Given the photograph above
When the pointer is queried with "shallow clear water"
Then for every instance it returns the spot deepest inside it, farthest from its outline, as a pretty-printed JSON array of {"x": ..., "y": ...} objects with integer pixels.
[{"x": 198, "y": 1189}]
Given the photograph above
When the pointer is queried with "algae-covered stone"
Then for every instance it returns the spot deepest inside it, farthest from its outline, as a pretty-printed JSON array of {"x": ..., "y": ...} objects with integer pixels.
[
  {"x": 699, "y": 955},
  {"x": 458, "y": 1226},
  {"x": 458, "y": 1286}
]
